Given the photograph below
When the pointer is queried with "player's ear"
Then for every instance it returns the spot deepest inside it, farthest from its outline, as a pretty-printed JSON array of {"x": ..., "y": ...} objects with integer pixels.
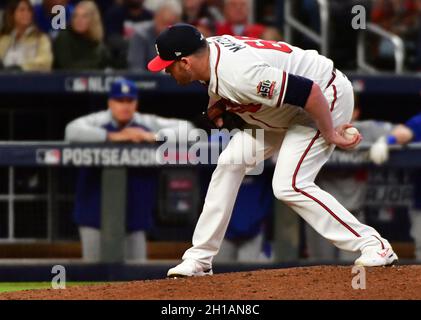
[
  {"x": 110, "y": 103},
  {"x": 185, "y": 63}
]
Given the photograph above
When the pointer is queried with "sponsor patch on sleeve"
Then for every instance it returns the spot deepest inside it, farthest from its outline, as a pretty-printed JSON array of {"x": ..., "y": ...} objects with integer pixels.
[{"x": 266, "y": 88}]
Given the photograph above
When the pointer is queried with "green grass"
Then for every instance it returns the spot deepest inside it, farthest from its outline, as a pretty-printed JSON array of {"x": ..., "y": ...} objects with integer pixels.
[{"x": 18, "y": 286}]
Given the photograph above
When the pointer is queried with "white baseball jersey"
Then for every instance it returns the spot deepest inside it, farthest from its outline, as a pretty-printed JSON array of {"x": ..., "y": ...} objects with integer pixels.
[
  {"x": 264, "y": 82},
  {"x": 251, "y": 76}
]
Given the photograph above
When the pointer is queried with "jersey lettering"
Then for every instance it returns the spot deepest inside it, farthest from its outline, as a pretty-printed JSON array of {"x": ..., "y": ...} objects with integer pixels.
[{"x": 266, "y": 44}]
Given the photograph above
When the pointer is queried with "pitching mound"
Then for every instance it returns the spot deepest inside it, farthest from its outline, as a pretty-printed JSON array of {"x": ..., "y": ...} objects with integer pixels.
[{"x": 324, "y": 282}]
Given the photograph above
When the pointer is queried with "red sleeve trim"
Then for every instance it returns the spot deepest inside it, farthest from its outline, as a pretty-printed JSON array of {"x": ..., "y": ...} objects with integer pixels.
[{"x": 216, "y": 67}]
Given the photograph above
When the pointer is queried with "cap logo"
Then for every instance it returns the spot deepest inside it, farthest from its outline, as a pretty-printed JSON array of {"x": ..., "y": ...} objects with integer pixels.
[
  {"x": 202, "y": 37},
  {"x": 156, "y": 48},
  {"x": 177, "y": 53},
  {"x": 125, "y": 88}
]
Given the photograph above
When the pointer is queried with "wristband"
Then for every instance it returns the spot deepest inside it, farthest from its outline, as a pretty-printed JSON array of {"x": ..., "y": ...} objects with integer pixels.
[{"x": 391, "y": 140}]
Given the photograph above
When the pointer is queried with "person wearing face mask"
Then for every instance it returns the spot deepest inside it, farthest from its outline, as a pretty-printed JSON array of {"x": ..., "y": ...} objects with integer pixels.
[
  {"x": 22, "y": 45},
  {"x": 81, "y": 47}
]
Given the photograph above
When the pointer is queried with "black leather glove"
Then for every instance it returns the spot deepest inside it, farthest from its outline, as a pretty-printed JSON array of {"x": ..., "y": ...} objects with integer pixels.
[
  {"x": 217, "y": 114},
  {"x": 232, "y": 121}
]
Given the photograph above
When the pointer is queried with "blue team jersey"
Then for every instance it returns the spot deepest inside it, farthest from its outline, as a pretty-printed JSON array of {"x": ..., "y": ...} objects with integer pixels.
[
  {"x": 141, "y": 195},
  {"x": 415, "y": 125},
  {"x": 253, "y": 206}
]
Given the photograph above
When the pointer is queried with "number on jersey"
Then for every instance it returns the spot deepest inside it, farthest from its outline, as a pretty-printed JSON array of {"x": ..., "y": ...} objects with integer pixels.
[{"x": 266, "y": 44}]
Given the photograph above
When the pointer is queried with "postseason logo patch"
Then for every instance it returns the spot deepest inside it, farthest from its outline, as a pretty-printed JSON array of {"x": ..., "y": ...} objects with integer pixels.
[{"x": 266, "y": 88}]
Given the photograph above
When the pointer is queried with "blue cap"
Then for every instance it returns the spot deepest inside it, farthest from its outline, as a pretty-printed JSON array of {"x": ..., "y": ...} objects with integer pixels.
[{"x": 123, "y": 88}]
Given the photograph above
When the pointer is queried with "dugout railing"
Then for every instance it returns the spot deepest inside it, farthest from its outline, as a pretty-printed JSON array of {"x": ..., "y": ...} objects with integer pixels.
[{"x": 56, "y": 156}]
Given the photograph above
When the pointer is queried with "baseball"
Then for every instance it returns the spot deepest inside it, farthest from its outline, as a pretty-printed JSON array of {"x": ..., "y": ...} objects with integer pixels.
[{"x": 350, "y": 133}]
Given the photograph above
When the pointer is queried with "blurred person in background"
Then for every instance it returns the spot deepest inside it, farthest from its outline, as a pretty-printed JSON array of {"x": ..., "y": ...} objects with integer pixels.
[
  {"x": 418, "y": 42},
  {"x": 400, "y": 17},
  {"x": 121, "y": 21},
  {"x": 403, "y": 134},
  {"x": 2, "y": 5},
  {"x": 237, "y": 17},
  {"x": 80, "y": 46},
  {"x": 201, "y": 15},
  {"x": 396, "y": 16},
  {"x": 142, "y": 44},
  {"x": 245, "y": 238},
  {"x": 217, "y": 4},
  {"x": 246, "y": 233},
  {"x": 121, "y": 123},
  {"x": 347, "y": 186},
  {"x": 104, "y": 5},
  {"x": 43, "y": 15},
  {"x": 22, "y": 45}
]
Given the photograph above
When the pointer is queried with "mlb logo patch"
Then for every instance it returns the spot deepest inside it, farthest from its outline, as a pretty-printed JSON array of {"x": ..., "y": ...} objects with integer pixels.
[
  {"x": 48, "y": 156},
  {"x": 266, "y": 88}
]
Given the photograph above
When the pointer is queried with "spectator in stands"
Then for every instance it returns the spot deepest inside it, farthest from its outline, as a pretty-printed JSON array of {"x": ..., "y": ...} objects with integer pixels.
[
  {"x": 201, "y": 15},
  {"x": 418, "y": 41},
  {"x": 403, "y": 134},
  {"x": 22, "y": 45},
  {"x": 401, "y": 18},
  {"x": 120, "y": 123},
  {"x": 80, "y": 46},
  {"x": 395, "y": 16},
  {"x": 217, "y": 4},
  {"x": 237, "y": 16},
  {"x": 245, "y": 237},
  {"x": 43, "y": 15},
  {"x": 104, "y": 5},
  {"x": 122, "y": 18},
  {"x": 1, "y": 14},
  {"x": 142, "y": 44},
  {"x": 121, "y": 21},
  {"x": 246, "y": 233}
]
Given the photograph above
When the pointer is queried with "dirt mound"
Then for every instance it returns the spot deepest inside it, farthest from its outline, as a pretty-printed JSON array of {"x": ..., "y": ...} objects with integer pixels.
[{"x": 324, "y": 282}]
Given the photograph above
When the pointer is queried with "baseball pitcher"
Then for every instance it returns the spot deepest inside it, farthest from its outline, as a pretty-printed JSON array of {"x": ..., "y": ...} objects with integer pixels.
[{"x": 304, "y": 106}]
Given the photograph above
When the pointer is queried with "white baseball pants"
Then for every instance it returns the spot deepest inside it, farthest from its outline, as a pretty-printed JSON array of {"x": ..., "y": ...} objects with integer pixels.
[{"x": 302, "y": 153}]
